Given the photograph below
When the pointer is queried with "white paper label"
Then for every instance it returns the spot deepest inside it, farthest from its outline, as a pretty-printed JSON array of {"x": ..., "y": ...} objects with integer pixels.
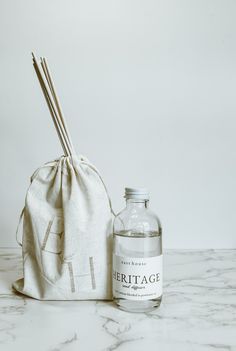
[{"x": 137, "y": 278}]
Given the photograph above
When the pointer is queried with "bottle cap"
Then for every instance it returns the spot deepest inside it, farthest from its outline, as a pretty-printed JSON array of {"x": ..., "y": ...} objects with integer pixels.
[{"x": 137, "y": 193}]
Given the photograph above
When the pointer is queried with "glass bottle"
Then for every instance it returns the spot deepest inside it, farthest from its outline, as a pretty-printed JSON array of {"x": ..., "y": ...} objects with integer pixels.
[{"x": 137, "y": 254}]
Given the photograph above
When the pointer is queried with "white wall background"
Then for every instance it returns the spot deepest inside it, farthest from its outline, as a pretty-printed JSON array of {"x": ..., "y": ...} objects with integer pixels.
[{"x": 148, "y": 88}]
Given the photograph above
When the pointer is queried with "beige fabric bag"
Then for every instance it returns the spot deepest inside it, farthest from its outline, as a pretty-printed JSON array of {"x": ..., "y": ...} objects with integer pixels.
[
  {"x": 66, "y": 234},
  {"x": 67, "y": 222}
]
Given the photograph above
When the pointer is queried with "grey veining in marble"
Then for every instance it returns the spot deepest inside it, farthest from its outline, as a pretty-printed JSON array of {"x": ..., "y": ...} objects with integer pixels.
[{"x": 198, "y": 311}]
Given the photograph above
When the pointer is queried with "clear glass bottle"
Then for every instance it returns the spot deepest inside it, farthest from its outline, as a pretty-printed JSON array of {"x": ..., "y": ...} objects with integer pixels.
[{"x": 137, "y": 254}]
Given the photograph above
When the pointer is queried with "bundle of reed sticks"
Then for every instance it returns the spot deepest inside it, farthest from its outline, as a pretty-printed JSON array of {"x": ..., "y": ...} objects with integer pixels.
[{"x": 48, "y": 88}]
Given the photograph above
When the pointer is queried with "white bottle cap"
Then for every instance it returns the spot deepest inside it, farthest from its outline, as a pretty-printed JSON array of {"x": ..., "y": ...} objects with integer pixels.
[{"x": 137, "y": 193}]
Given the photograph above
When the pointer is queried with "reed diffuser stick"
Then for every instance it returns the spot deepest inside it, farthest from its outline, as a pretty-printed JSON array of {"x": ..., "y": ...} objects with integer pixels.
[
  {"x": 60, "y": 121},
  {"x": 52, "y": 112},
  {"x": 47, "y": 91},
  {"x": 56, "y": 99}
]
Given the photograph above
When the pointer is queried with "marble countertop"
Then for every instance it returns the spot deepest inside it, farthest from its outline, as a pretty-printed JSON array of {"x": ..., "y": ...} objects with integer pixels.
[{"x": 198, "y": 311}]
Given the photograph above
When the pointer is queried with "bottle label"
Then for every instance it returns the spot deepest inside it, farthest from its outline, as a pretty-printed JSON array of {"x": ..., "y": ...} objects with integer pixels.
[{"x": 137, "y": 278}]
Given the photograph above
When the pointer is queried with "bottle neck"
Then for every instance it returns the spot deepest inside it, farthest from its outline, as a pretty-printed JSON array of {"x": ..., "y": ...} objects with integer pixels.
[{"x": 137, "y": 203}]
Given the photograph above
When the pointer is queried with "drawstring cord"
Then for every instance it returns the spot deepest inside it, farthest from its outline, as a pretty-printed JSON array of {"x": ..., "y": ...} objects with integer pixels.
[
  {"x": 48, "y": 164},
  {"x": 18, "y": 227}
]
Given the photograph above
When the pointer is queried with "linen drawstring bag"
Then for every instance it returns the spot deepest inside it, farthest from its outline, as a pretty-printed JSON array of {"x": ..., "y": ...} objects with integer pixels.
[{"x": 67, "y": 222}]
